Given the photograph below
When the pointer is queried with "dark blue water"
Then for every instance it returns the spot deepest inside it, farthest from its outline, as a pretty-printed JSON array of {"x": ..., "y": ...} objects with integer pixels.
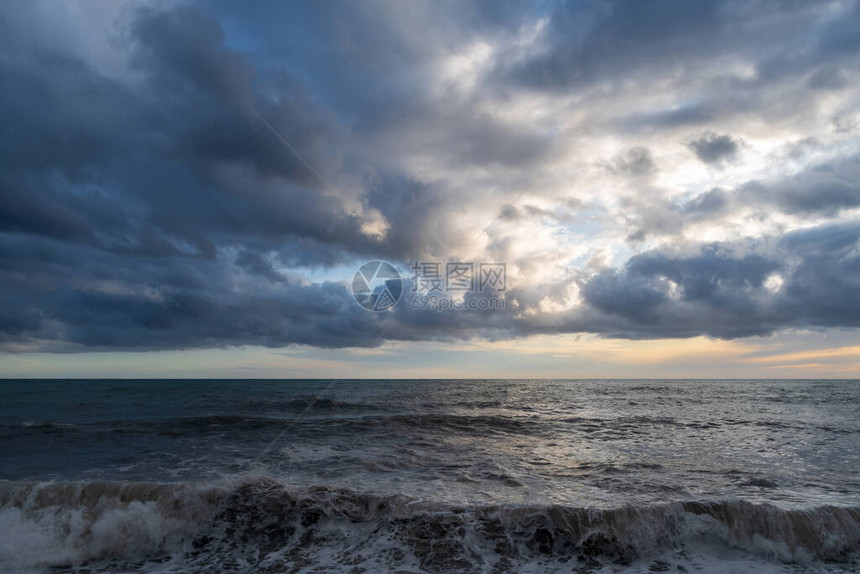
[{"x": 761, "y": 455}]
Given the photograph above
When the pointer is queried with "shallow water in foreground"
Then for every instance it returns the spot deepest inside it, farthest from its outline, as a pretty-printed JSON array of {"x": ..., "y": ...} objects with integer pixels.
[{"x": 434, "y": 476}]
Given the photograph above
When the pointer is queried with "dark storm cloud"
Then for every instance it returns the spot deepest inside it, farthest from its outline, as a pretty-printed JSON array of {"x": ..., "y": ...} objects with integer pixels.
[
  {"x": 722, "y": 289},
  {"x": 182, "y": 161},
  {"x": 714, "y": 149},
  {"x": 657, "y": 292}
]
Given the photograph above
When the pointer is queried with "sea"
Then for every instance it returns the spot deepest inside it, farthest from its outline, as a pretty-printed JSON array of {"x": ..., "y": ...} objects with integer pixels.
[{"x": 408, "y": 476}]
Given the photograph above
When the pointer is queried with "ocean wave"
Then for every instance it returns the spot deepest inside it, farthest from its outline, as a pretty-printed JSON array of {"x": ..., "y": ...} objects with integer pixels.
[{"x": 261, "y": 525}]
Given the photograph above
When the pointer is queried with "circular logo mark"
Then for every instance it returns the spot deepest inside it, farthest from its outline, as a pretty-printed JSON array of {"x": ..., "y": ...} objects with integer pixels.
[{"x": 377, "y": 286}]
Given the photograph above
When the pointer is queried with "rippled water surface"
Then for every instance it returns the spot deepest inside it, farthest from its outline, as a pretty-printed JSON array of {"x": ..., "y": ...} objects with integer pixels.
[{"x": 601, "y": 442}]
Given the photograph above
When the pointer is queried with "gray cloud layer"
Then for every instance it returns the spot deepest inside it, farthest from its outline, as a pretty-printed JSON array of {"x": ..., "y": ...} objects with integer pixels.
[{"x": 153, "y": 209}]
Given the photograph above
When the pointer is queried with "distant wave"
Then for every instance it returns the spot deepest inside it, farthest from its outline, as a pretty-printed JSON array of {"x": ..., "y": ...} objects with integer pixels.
[{"x": 258, "y": 524}]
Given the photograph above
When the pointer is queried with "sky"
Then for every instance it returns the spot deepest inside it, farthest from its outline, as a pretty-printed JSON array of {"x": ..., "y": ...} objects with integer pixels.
[{"x": 187, "y": 189}]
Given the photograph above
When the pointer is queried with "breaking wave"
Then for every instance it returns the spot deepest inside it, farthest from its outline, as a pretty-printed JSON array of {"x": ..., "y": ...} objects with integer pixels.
[{"x": 260, "y": 525}]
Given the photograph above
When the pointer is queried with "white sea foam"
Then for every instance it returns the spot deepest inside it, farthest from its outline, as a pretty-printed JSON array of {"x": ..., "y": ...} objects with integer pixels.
[{"x": 259, "y": 524}]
